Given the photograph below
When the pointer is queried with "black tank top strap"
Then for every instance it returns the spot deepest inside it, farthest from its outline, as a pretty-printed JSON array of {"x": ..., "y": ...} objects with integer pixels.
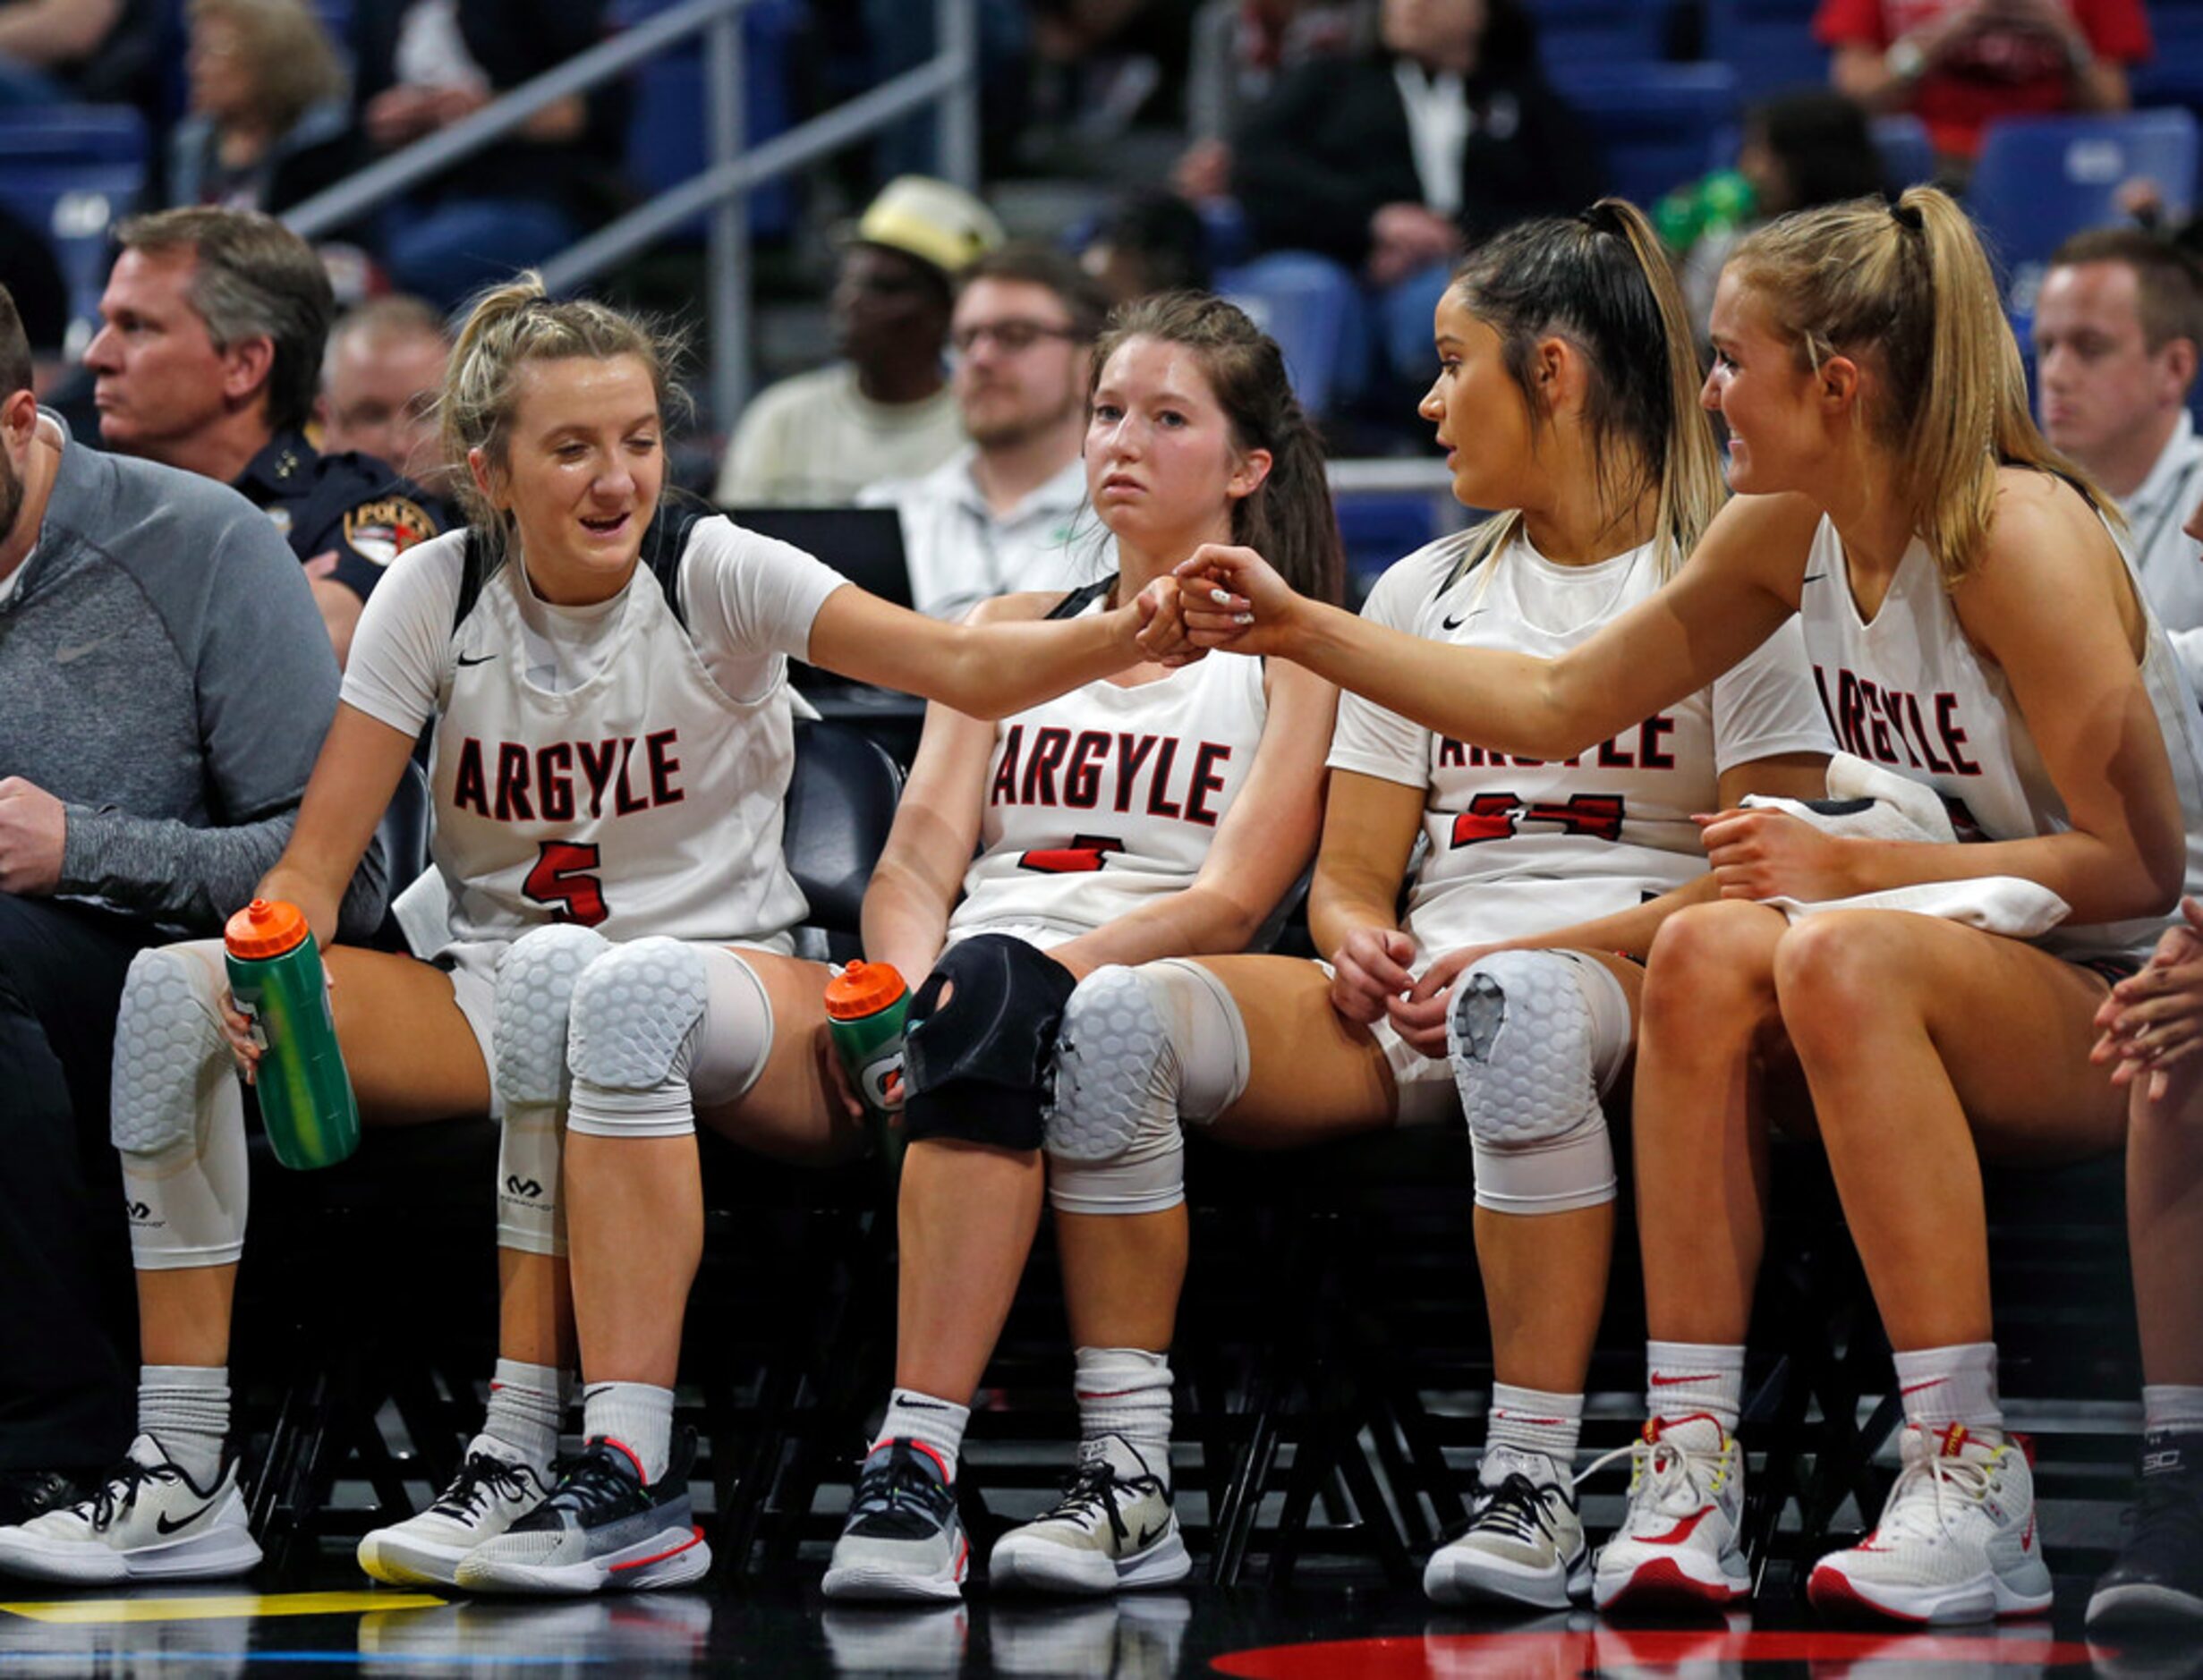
[
  {"x": 1079, "y": 599},
  {"x": 662, "y": 547}
]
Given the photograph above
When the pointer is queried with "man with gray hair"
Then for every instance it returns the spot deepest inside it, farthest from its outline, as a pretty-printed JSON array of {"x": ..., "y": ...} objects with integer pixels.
[
  {"x": 209, "y": 358},
  {"x": 163, "y": 696}
]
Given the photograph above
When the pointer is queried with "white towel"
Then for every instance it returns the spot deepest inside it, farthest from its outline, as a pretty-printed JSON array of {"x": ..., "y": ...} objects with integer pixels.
[
  {"x": 1867, "y": 802},
  {"x": 1995, "y": 904}
]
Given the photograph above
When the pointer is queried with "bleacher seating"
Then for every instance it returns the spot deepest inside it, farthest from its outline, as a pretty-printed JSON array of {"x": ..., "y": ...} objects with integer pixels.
[
  {"x": 1655, "y": 124},
  {"x": 2173, "y": 74},
  {"x": 1908, "y": 155},
  {"x": 1768, "y": 44},
  {"x": 1599, "y": 31},
  {"x": 72, "y": 171}
]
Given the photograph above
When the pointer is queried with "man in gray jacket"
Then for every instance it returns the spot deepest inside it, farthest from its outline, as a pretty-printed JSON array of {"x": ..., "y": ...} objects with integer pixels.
[{"x": 165, "y": 684}]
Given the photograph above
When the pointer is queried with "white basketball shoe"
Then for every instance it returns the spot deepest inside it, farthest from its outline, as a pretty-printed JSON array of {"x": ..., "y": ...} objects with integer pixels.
[
  {"x": 491, "y": 1492},
  {"x": 146, "y": 1521},
  {"x": 1678, "y": 1542},
  {"x": 1524, "y": 1540}
]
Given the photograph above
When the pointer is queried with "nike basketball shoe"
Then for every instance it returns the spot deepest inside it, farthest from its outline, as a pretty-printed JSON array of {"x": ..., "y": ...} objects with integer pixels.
[
  {"x": 148, "y": 1520},
  {"x": 1113, "y": 1528},
  {"x": 1678, "y": 1542}
]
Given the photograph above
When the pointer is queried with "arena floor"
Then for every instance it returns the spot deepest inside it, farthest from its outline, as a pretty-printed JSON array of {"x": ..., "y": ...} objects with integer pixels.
[{"x": 1348, "y": 1629}]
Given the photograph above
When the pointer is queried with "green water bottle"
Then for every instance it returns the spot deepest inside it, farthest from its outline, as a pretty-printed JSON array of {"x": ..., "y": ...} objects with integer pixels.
[
  {"x": 275, "y": 974},
  {"x": 865, "y": 1004}
]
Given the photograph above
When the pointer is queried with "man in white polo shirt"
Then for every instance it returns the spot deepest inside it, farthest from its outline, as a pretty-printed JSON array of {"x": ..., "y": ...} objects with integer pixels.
[
  {"x": 1008, "y": 511},
  {"x": 2116, "y": 330}
]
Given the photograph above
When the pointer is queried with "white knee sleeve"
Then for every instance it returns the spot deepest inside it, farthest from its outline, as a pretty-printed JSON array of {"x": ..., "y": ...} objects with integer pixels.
[
  {"x": 1141, "y": 1049},
  {"x": 178, "y": 1112},
  {"x": 534, "y": 992},
  {"x": 1536, "y": 1039},
  {"x": 660, "y": 1028}
]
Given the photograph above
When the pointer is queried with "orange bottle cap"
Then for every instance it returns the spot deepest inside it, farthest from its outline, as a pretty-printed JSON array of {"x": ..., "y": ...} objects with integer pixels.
[
  {"x": 265, "y": 928},
  {"x": 861, "y": 990}
]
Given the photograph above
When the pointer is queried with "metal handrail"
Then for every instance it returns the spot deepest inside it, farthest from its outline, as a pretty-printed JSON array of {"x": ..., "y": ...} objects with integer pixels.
[{"x": 949, "y": 80}]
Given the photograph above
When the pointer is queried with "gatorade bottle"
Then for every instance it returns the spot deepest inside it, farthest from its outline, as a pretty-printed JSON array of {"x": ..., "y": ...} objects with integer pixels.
[
  {"x": 275, "y": 974},
  {"x": 865, "y": 1004}
]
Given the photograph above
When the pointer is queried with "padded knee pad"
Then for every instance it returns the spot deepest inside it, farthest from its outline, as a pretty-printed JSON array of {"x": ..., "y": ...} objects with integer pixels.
[
  {"x": 1141, "y": 1050},
  {"x": 177, "y": 1111},
  {"x": 1535, "y": 1037},
  {"x": 534, "y": 991},
  {"x": 658, "y": 1027},
  {"x": 975, "y": 1063}
]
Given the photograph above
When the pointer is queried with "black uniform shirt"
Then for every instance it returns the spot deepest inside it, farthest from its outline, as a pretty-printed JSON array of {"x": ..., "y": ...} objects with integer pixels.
[{"x": 349, "y": 505}]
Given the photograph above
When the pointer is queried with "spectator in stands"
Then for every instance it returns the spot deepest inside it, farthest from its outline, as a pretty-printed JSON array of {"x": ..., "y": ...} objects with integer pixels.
[
  {"x": 268, "y": 125},
  {"x": 1240, "y": 48},
  {"x": 1152, "y": 241},
  {"x": 1799, "y": 149},
  {"x": 2117, "y": 327},
  {"x": 1002, "y": 514},
  {"x": 1979, "y": 632},
  {"x": 1566, "y": 393},
  {"x": 59, "y": 51},
  {"x": 209, "y": 358},
  {"x": 162, "y": 695},
  {"x": 886, "y": 411},
  {"x": 1959, "y": 64},
  {"x": 380, "y": 380},
  {"x": 1382, "y": 168},
  {"x": 424, "y": 64},
  {"x": 2150, "y": 1030}
]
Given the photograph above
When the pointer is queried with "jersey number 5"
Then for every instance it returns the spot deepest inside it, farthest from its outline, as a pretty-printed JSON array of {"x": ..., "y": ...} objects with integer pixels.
[{"x": 564, "y": 878}]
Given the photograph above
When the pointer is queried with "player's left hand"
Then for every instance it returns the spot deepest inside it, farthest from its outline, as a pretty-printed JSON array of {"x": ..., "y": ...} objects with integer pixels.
[
  {"x": 1760, "y": 855},
  {"x": 1420, "y": 1018},
  {"x": 2153, "y": 1021},
  {"x": 34, "y": 831}
]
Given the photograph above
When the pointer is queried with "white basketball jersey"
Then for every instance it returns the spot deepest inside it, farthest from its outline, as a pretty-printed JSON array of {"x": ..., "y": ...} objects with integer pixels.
[
  {"x": 624, "y": 787},
  {"x": 1516, "y": 846},
  {"x": 1909, "y": 691},
  {"x": 1107, "y": 797}
]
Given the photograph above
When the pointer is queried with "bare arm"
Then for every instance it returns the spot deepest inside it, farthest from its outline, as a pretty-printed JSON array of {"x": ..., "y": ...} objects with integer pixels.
[
  {"x": 50, "y": 32},
  {"x": 1369, "y": 833},
  {"x": 353, "y": 781},
  {"x": 1259, "y": 851},
  {"x": 988, "y": 666},
  {"x": 922, "y": 868},
  {"x": 1729, "y": 596}
]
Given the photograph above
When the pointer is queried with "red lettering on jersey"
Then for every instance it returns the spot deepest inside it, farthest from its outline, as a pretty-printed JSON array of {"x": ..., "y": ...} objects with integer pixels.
[
  {"x": 1877, "y": 726},
  {"x": 513, "y": 804},
  {"x": 1049, "y": 747},
  {"x": 564, "y": 878},
  {"x": 664, "y": 766},
  {"x": 1005, "y": 789},
  {"x": 554, "y": 781},
  {"x": 597, "y": 760},
  {"x": 1953, "y": 737},
  {"x": 1650, "y": 754},
  {"x": 1084, "y": 856},
  {"x": 1132, "y": 752},
  {"x": 1208, "y": 779},
  {"x": 469, "y": 788},
  {"x": 1082, "y": 781},
  {"x": 1594, "y": 816},
  {"x": 1850, "y": 710},
  {"x": 1451, "y": 754},
  {"x": 623, "y": 802},
  {"x": 1613, "y": 756},
  {"x": 1165, "y": 756},
  {"x": 1918, "y": 732}
]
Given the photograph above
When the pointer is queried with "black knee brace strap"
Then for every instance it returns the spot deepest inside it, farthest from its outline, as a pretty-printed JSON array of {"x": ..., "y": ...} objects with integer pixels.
[{"x": 975, "y": 1067}]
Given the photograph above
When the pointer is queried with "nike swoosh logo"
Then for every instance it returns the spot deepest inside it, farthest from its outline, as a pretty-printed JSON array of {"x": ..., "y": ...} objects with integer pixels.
[
  {"x": 1812, "y": 577},
  {"x": 1933, "y": 1382},
  {"x": 480, "y": 658},
  {"x": 1455, "y": 624},
  {"x": 1681, "y": 1531},
  {"x": 167, "y": 1527},
  {"x": 1149, "y": 1536},
  {"x": 69, "y": 656},
  {"x": 919, "y": 1405},
  {"x": 1677, "y": 1382}
]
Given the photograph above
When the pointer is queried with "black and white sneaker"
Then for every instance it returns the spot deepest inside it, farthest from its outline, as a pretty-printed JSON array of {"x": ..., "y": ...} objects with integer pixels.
[
  {"x": 491, "y": 1492},
  {"x": 1524, "y": 1543},
  {"x": 147, "y": 1520},
  {"x": 903, "y": 1541},
  {"x": 2158, "y": 1579},
  {"x": 1113, "y": 1528},
  {"x": 600, "y": 1526}
]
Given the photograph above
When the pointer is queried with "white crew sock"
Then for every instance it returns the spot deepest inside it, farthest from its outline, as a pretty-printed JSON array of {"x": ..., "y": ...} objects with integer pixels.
[
  {"x": 638, "y": 1415},
  {"x": 1531, "y": 1420},
  {"x": 1683, "y": 1378},
  {"x": 186, "y": 1409},
  {"x": 2172, "y": 1409},
  {"x": 1942, "y": 1386},
  {"x": 1126, "y": 1392},
  {"x": 913, "y": 1416},
  {"x": 527, "y": 1409}
]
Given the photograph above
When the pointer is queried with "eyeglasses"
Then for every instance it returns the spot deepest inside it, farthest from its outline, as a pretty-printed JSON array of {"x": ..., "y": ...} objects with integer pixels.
[{"x": 1012, "y": 336}]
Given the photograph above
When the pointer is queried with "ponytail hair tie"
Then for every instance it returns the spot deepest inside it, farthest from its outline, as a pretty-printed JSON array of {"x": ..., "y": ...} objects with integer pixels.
[{"x": 1908, "y": 215}]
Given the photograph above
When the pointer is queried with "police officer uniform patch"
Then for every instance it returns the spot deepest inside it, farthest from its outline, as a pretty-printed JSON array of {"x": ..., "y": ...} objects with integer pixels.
[{"x": 381, "y": 531}]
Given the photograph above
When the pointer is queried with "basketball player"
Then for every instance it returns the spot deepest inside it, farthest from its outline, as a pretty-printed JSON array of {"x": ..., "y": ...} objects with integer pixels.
[
  {"x": 1974, "y": 626},
  {"x": 1154, "y": 813},
  {"x": 1565, "y": 393},
  {"x": 612, "y": 750}
]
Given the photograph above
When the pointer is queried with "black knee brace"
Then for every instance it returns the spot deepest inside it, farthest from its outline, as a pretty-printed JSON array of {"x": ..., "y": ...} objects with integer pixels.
[{"x": 976, "y": 1066}]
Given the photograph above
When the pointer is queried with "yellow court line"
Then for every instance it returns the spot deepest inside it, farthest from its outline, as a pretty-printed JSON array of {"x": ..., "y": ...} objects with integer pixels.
[{"x": 87, "y": 1612}]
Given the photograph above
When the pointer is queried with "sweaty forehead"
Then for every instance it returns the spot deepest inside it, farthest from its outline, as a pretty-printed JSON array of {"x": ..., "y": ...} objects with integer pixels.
[{"x": 582, "y": 391}]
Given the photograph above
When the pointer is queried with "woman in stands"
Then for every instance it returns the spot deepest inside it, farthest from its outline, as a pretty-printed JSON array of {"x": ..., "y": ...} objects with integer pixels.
[
  {"x": 613, "y": 744},
  {"x": 1539, "y": 891},
  {"x": 1974, "y": 627}
]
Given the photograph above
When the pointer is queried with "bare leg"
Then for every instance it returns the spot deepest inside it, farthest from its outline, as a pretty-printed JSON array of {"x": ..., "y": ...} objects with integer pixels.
[
  {"x": 1927, "y": 1045},
  {"x": 1122, "y": 1277},
  {"x": 965, "y": 1225},
  {"x": 2164, "y": 1228},
  {"x": 535, "y": 1308},
  {"x": 1706, "y": 1020}
]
